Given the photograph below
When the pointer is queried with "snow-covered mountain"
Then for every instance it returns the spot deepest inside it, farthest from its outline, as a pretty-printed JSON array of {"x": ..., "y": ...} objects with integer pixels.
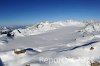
[
  {"x": 43, "y": 27},
  {"x": 63, "y": 43}
]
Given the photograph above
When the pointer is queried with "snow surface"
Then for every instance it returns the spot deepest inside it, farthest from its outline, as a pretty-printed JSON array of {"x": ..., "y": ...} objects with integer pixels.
[{"x": 52, "y": 44}]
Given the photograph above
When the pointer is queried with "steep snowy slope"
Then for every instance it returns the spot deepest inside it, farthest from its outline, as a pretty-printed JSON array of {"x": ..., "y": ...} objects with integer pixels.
[{"x": 68, "y": 45}]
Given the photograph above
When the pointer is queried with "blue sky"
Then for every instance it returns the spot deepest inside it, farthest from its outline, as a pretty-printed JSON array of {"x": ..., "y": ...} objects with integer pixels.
[{"x": 21, "y": 12}]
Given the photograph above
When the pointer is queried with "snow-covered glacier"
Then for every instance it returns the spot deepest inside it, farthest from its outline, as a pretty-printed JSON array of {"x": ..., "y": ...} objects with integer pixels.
[{"x": 62, "y": 43}]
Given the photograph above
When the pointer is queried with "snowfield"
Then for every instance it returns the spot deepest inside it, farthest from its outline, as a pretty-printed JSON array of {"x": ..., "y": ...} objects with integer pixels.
[{"x": 69, "y": 43}]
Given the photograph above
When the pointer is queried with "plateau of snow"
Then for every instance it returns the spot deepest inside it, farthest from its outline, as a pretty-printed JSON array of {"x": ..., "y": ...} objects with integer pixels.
[{"x": 68, "y": 43}]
